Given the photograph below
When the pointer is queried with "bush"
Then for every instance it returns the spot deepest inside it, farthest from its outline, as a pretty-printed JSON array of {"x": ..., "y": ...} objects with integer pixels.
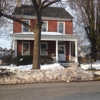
[
  {"x": 46, "y": 59},
  {"x": 22, "y": 60},
  {"x": 25, "y": 60},
  {"x": 6, "y": 60}
]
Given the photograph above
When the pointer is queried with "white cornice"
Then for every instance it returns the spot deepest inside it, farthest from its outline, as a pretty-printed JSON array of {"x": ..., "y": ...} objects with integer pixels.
[
  {"x": 45, "y": 37},
  {"x": 44, "y": 18}
]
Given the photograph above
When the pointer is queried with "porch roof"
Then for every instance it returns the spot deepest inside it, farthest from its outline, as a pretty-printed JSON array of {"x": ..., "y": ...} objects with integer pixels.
[{"x": 50, "y": 36}]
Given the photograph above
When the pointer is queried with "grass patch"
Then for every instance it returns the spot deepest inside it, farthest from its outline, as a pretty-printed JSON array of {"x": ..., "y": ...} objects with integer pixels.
[{"x": 92, "y": 69}]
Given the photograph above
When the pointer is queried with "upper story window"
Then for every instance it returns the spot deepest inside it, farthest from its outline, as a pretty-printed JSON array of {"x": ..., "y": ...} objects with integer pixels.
[
  {"x": 24, "y": 28},
  {"x": 45, "y": 26},
  {"x": 25, "y": 48},
  {"x": 61, "y": 27}
]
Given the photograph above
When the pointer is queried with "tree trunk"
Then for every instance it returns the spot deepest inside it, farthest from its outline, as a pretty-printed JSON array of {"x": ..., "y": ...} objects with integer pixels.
[{"x": 37, "y": 42}]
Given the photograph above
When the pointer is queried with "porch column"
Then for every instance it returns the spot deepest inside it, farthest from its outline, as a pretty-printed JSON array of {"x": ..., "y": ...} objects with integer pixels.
[
  {"x": 56, "y": 50},
  {"x": 76, "y": 52},
  {"x": 69, "y": 51},
  {"x": 15, "y": 47}
]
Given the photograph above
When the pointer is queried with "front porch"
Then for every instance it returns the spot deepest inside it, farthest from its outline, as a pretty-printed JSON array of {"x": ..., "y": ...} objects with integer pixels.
[{"x": 65, "y": 48}]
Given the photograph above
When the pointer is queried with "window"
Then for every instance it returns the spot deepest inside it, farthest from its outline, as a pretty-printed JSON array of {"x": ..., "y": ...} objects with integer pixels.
[
  {"x": 44, "y": 26},
  {"x": 25, "y": 29},
  {"x": 61, "y": 27},
  {"x": 25, "y": 48},
  {"x": 44, "y": 49}
]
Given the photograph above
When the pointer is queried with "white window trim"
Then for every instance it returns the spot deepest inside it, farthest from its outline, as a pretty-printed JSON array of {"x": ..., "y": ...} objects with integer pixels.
[
  {"x": 47, "y": 26},
  {"x": 22, "y": 48},
  {"x": 46, "y": 48},
  {"x": 23, "y": 25},
  {"x": 63, "y": 27}
]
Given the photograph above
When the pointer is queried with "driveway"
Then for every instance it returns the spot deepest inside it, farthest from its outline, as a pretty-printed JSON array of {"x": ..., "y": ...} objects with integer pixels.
[{"x": 52, "y": 91}]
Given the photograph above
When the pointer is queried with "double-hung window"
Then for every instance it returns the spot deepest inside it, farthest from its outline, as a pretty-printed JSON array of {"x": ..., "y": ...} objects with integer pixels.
[
  {"x": 44, "y": 49},
  {"x": 61, "y": 27},
  {"x": 24, "y": 28},
  {"x": 45, "y": 26},
  {"x": 25, "y": 48}
]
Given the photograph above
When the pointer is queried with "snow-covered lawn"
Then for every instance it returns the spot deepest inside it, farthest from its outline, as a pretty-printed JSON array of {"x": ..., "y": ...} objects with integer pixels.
[
  {"x": 28, "y": 67},
  {"x": 96, "y": 65}
]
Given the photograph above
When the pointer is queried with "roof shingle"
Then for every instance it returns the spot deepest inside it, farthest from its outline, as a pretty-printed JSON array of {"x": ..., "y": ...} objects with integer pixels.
[{"x": 47, "y": 12}]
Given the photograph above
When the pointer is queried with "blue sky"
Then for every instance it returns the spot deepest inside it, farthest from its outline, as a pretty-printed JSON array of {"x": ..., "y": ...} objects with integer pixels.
[
  {"x": 5, "y": 30},
  {"x": 5, "y": 43}
]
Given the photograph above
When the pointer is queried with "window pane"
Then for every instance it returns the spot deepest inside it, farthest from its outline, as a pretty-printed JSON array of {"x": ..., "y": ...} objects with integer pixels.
[
  {"x": 44, "y": 26},
  {"x": 61, "y": 50},
  {"x": 25, "y": 29},
  {"x": 26, "y": 50},
  {"x": 43, "y": 46},
  {"x": 61, "y": 27},
  {"x": 43, "y": 49}
]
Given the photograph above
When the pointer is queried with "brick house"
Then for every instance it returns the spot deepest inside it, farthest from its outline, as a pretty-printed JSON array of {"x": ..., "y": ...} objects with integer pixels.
[{"x": 57, "y": 39}]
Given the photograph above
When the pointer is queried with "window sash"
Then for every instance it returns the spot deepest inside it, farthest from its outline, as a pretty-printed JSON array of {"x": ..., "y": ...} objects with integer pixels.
[
  {"x": 61, "y": 27},
  {"x": 44, "y": 26},
  {"x": 44, "y": 49},
  {"x": 25, "y": 29},
  {"x": 25, "y": 48}
]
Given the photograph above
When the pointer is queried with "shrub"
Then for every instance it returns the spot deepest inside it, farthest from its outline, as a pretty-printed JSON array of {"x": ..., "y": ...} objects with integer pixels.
[
  {"x": 6, "y": 60},
  {"x": 46, "y": 59},
  {"x": 22, "y": 60},
  {"x": 25, "y": 60}
]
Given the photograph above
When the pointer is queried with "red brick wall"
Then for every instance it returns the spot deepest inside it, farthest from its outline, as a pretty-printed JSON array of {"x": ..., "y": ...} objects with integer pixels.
[
  {"x": 52, "y": 26},
  {"x": 19, "y": 47},
  {"x": 51, "y": 48},
  {"x": 17, "y": 28},
  {"x": 67, "y": 50},
  {"x": 69, "y": 27}
]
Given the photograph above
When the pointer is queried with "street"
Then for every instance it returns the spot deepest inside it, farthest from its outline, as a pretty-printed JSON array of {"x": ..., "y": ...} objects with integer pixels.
[{"x": 52, "y": 91}]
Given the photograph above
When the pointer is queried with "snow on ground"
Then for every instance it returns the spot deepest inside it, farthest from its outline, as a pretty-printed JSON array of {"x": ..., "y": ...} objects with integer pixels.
[
  {"x": 28, "y": 67},
  {"x": 96, "y": 65}
]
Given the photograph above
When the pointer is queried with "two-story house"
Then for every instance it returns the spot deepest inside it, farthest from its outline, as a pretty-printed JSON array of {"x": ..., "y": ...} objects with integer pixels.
[{"x": 57, "y": 39}]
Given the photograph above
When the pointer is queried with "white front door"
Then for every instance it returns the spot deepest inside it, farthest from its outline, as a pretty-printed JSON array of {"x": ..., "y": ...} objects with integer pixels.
[{"x": 61, "y": 53}]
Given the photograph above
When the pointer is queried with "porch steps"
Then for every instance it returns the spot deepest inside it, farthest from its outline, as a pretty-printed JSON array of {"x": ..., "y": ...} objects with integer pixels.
[{"x": 66, "y": 64}]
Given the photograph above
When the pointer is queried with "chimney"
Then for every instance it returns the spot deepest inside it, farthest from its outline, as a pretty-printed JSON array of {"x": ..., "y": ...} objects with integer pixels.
[{"x": 18, "y": 3}]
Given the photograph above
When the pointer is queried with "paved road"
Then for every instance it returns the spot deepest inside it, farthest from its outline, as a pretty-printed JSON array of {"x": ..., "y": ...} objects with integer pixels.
[{"x": 52, "y": 91}]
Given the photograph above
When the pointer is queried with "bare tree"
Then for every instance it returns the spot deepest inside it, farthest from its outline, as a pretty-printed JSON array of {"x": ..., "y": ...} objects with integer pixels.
[
  {"x": 39, "y": 5},
  {"x": 88, "y": 12}
]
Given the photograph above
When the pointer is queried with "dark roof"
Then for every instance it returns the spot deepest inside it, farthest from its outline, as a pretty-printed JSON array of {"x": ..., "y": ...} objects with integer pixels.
[{"x": 47, "y": 12}]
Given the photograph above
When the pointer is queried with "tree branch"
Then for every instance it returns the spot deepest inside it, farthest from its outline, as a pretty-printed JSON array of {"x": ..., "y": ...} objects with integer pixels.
[
  {"x": 19, "y": 21},
  {"x": 42, "y": 4},
  {"x": 49, "y": 3},
  {"x": 35, "y": 5}
]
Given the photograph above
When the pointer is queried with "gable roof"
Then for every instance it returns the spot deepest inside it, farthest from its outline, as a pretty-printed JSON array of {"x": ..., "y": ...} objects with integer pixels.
[{"x": 47, "y": 12}]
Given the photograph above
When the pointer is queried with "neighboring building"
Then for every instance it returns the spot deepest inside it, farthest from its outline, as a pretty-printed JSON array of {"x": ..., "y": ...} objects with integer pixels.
[{"x": 57, "y": 39}]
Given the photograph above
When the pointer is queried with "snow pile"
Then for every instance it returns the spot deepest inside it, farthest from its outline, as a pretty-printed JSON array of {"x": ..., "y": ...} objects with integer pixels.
[{"x": 54, "y": 73}]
